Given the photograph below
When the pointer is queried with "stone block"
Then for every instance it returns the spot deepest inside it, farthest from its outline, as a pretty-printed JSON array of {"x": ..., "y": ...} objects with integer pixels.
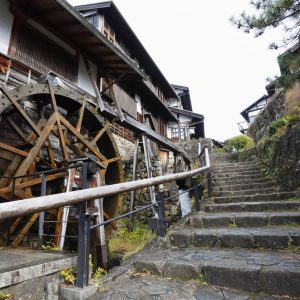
[
  {"x": 204, "y": 240},
  {"x": 75, "y": 293},
  {"x": 178, "y": 269},
  {"x": 181, "y": 239}
]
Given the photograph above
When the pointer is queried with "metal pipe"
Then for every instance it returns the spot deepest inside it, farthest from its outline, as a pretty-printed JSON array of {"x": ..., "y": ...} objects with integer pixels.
[{"x": 25, "y": 207}]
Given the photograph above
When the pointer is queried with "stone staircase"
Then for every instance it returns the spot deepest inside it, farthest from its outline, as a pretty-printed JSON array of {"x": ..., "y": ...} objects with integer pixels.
[{"x": 247, "y": 237}]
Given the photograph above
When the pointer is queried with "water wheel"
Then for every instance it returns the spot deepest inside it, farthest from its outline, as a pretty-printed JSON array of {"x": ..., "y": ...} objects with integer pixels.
[{"x": 43, "y": 127}]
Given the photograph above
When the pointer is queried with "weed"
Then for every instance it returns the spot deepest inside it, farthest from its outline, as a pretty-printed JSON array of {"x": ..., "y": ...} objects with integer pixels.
[
  {"x": 4, "y": 296},
  {"x": 232, "y": 225},
  {"x": 50, "y": 246},
  {"x": 200, "y": 280},
  {"x": 129, "y": 242},
  {"x": 69, "y": 276}
]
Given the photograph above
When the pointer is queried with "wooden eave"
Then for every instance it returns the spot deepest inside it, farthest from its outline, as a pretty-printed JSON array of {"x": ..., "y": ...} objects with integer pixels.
[
  {"x": 187, "y": 113},
  {"x": 62, "y": 19},
  {"x": 128, "y": 36}
]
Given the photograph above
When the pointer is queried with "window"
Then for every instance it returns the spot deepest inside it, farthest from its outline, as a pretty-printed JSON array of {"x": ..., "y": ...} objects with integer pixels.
[
  {"x": 175, "y": 133},
  {"x": 109, "y": 32},
  {"x": 94, "y": 20}
]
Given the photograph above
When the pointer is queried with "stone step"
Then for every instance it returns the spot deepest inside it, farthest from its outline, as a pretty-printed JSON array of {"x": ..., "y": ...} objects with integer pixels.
[
  {"x": 243, "y": 192},
  {"x": 255, "y": 198},
  {"x": 234, "y": 181},
  {"x": 233, "y": 175},
  {"x": 267, "y": 238},
  {"x": 233, "y": 164},
  {"x": 253, "y": 206},
  {"x": 244, "y": 219},
  {"x": 244, "y": 186},
  {"x": 234, "y": 170},
  {"x": 264, "y": 271}
]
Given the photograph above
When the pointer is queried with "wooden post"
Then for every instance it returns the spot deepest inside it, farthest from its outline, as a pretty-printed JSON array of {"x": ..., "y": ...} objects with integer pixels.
[
  {"x": 132, "y": 193},
  {"x": 148, "y": 167},
  {"x": 93, "y": 81},
  {"x": 117, "y": 105},
  {"x": 175, "y": 163}
]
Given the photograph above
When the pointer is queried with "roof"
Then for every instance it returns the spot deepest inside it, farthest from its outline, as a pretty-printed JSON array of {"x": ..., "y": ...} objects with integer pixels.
[
  {"x": 186, "y": 113},
  {"x": 118, "y": 22},
  {"x": 245, "y": 112},
  {"x": 184, "y": 95},
  {"x": 73, "y": 28}
]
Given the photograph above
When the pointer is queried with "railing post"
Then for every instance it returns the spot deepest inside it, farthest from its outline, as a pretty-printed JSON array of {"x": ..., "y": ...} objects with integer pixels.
[
  {"x": 161, "y": 229},
  {"x": 83, "y": 248},
  {"x": 209, "y": 184},
  {"x": 196, "y": 192},
  {"x": 42, "y": 213}
]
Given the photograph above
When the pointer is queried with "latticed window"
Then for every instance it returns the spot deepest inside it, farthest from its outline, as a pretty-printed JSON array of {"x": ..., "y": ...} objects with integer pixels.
[{"x": 109, "y": 32}]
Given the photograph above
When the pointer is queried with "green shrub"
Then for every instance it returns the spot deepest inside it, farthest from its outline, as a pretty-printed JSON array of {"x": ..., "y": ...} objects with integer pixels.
[
  {"x": 279, "y": 125},
  {"x": 238, "y": 143}
]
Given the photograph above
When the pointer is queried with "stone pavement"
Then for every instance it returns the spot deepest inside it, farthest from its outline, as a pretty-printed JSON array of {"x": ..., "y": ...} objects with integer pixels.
[{"x": 247, "y": 237}]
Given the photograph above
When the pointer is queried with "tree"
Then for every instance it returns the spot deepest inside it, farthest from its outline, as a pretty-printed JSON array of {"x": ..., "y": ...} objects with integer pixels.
[{"x": 272, "y": 14}]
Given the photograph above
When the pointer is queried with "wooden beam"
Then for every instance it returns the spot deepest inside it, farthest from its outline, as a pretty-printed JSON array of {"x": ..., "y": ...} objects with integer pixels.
[
  {"x": 110, "y": 160},
  {"x": 37, "y": 147},
  {"x": 13, "y": 149},
  {"x": 93, "y": 81},
  {"x": 117, "y": 105},
  {"x": 51, "y": 154},
  {"x": 80, "y": 115},
  {"x": 82, "y": 139},
  {"x": 11, "y": 170},
  {"x": 16, "y": 128},
  {"x": 32, "y": 182},
  {"x": 20, "y": 110},
  {"x": 60, "y": 132}
]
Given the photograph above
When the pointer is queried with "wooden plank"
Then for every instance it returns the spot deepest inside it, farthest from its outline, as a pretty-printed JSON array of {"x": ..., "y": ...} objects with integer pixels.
[
  {"x": 93, "y": 81},
  {"x": 82, "y": 139},
  {"x": 110, "y": 160},
  {"x": 37, "y": 147},
  {"x": 117, "y": 105},
  {"x": 16, "y": 128},
  {"x": 20, "y": 110},
  {"x": 80, "y": 115},
  {"x": 51, "y": 155},
  {"x": 11, "y": 170},
  {"x": 32, "y": 182},
  {"x": 13, "y": 149},
  {"x": 60, "y": 132}
]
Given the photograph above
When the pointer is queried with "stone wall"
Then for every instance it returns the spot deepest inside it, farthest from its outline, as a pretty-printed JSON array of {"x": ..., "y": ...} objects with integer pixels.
[
  {"x": 280, "y": 158},
  {"x": 125, "y": 147},
  {"x": 142, "y": 197},
  {"x": 274, "y": 110}
]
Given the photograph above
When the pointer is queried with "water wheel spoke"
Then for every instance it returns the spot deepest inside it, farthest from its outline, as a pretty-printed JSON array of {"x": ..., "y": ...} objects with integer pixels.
[
  {"x": 39, "y": 143},
  {"x": 60, "y": 132},
  {"x": 20, "y": 110},
  {"x": 13, "y": 149},
  {"x": 100, "y": 133},
  {"x": 33, "y": 182},
  {"x": 82, "y": 139},
  {"x": 80, "y": 115},
  {"x": 16, "y": 128}
]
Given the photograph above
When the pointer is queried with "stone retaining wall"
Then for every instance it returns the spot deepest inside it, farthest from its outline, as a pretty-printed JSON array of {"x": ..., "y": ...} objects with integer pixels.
[{"x": 274, "y": 110}]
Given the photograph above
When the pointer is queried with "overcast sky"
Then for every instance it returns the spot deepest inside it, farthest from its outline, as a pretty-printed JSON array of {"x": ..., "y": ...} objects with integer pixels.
[{"x": 194, "y": 45}]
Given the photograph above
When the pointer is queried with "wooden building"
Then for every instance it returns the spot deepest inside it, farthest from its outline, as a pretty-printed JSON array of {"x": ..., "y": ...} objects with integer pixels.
[{"x": 75, "y": 82}]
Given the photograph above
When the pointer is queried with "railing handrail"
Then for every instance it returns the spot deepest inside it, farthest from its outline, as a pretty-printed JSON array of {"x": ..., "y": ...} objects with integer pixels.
[{"x": 38, "y": 204}]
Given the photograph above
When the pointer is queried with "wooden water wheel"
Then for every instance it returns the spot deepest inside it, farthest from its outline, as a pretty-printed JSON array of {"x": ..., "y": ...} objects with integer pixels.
[{"x": 43, "y": 127}]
